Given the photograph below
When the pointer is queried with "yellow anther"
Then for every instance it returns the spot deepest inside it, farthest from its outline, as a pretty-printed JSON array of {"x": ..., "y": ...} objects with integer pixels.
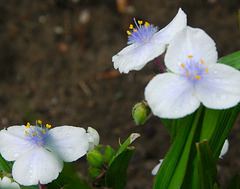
[
  {"x": 187, "y": 73},
  {"x": 28, "y": 125},
  {"x": 128, "y": 32},
  {"x": 26, "y": 133},
  {"x": 48, "y": 126},
  {"x": 134, "y": 30},
  {"x": 140, "y": 22},
  {"x": 34, "y": 134},
  {"x": 43, "y": 131},
  {"x": 39, "y": 122},
  {"x": 198, "y": 77},
  {"x": 190, "y": 56},
  {"x": 131, "y": 26},
  {"x": 202, "y": 61},
  {"x": 206, "y": 70},
  {"x": 146, "y": 24},
  {"x": 182, "y": 65}
]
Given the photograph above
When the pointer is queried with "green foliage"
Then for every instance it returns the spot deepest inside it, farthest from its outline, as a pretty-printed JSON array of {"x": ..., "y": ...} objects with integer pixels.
[
  {"x": 95, "y": 158},
  {"x": 109, "y": 154},
  {"x": 206, "y": 165}
]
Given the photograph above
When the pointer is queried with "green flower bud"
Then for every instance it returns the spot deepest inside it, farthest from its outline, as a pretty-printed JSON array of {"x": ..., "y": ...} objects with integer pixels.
[
  {"x": 94, "y": 172},
  {"x": 140, "y": 113},
  {"x": 109, "y": 153},
  {"x": 95, "y": 158}
]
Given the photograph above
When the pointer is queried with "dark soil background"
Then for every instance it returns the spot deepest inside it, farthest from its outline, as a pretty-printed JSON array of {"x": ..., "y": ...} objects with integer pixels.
[{"x": 55, "y": 65}]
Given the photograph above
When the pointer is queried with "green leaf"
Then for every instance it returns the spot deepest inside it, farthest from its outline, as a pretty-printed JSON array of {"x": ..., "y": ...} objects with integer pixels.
[
  {"x": 116, "y": 174},
  {"x": 117, "y": 170},
  {"x": 130, "y": 139},
  {"x": 5, "y": 165},
  {"x": 235, "y": 183},
  {"x": 206, "y": 166},
  {"x": 231, "y": 60},
  {"x": 173, "y": 168},
  {"x": 68, "y": 178}
]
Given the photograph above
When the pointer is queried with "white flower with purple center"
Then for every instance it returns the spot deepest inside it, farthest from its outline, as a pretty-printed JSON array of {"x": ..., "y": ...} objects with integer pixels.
[
  {"x": 195, "y": 78},
  {"x": 146, "y": 43},
  {"x": 39, "y": 151}
]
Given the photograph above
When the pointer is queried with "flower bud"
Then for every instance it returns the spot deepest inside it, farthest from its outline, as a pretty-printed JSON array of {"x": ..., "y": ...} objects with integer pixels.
[
  {"x": 95, "y": 158},
  {"x": 140, "y": 113},
  {"x": 109, "y": 153},
  {"x": 94, "y": 172}
]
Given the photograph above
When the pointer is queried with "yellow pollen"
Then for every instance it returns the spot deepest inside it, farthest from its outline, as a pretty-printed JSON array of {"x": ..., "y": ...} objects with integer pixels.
[
  {"x": 206, "y": 70},
  {"x": 28, "y": 125},
  {"x": 131, "y": 26},
  {"x": 26, "y": 133},
  {"x": 128, "y": 32},
  {"x": 198, "y": 77},
  {"x": 34, "y": 134},
  {"x": 140, "y": 22},
  {"x": 134, "y": 30},
  {"x": 202, "y": 61},
  {"x": 146, "y": 24},
  {"x": 48, "y": 126},
  {"x": 190, "y": 56},
  {"x": 43, "y": 131},
  {"x": 39, "y": 122},
  {"x": 182, "y": 65},
  {"x": 187, "y": 73}
]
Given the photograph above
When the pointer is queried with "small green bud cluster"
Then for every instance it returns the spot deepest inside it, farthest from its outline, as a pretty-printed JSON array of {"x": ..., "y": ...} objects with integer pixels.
[{"x": 140, "y": 113}]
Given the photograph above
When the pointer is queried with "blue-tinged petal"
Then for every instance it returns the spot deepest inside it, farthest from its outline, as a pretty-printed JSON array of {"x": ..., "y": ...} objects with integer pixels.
[
  {"x": 190, "y": 44},
  {"x": 178, "y": 23},
  {"x": 220, "y": 88},
  {"x": 224, "y": 149},
  {"x": 157, "y": 167},
  {"x": 171, "y": 96},
  {"x": 135, "y": 57},
  {"x": 69, "y": 143},
  {"x": 14, "y": 142},
  {"x": 36, "y": 165}
]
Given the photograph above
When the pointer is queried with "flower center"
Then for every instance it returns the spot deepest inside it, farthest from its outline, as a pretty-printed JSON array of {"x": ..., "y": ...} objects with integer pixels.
[
  {"x": 142, "y": 33},
  {"x": 38, "y": 134},
  {"x": 193, "y": 69}
]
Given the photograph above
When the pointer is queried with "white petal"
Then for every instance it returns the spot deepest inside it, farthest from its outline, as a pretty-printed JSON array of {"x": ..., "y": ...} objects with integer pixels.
[
  {"x": 5, "y": 183},
  {"x": 190, "y": 41},
  {"x": 171, "y": 96},
  {"x": 93, "y": 138},
  {"x": 220, "y": 88},
  {"x": 36, "y": 165},
  {"x": 13, "y": 142},
  {"x": 69, "y": 143},
  {"x": 135, "y": 57},
  {"x": 157, "y": 167},
  {"x": 224, "y": 148},
  {"x": 178, "y": 23}
]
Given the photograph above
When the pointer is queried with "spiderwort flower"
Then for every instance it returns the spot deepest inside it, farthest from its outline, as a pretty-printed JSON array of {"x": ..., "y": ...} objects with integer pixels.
[
  {"x": 145, "y": 43},
  {"x": 93, "y": 138},
  {"x": 39, "y": 151},
  {"x": 195, "y": 77}
]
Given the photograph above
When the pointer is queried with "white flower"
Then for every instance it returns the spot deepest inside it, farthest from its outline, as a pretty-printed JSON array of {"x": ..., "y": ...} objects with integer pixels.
[
  {"x": 223, "y": 152},
  {"x": 39, "y": 152},
  {"x": 93, "y": 138},
  {"x": 224, "y": 148},
  {"x": 6, "y": 183},
  {"x": 195, "y": 78},
  {"x": 146, "y": 43}
]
